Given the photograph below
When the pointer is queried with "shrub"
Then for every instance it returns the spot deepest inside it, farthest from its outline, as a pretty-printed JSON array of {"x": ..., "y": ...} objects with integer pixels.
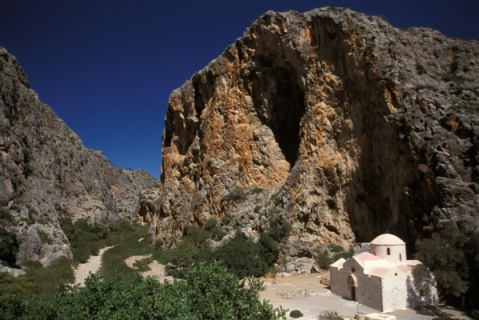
[
  {"x": 181, "y": 258},
  {"x": 5, "y": 215},
  {"x": 142, "y": 265},
  {"x": 269, "y": 249},
  {"x": 279, "y": 229},
  {"x": 295, "y": 314},
  {"x": 13, "y": 292},
  {"x": 454, "y": 66},
  {"x": 48, "y": 279},
  {"x": 237, "y": 195},
  {"x": 330, "y": 315},
  {"x": 210, "y": 224},
  {"x": 242, "y": 257},
  {"x": 208, "y": 292},
  {"x": 8, "y": 246},
  {"x": 257, "y": 190},
  {"x": 420, "y": 69},
  {"x": 333, "y": 253},
  {"x": 199, "y": 238}
]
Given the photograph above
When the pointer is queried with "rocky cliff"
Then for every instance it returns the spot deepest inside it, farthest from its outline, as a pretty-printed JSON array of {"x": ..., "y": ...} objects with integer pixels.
[
  {"x": 333, "y": 120},
  {"x": 47, "y": 173}
]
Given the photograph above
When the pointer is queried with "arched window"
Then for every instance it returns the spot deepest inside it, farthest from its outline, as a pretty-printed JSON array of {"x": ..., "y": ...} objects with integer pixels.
[
  {"x": 388, "y": 251},
  {"x": 400, "y": 257}
]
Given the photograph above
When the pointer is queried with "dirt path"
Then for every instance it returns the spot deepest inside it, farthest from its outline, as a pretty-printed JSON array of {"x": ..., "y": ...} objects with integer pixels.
[
  {"x": 91, "y": 266},
  {"x": 305, "y": 293}
]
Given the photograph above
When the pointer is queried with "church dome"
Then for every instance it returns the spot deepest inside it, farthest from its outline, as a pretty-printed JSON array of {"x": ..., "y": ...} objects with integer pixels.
[{"x": 387, "y": 239}]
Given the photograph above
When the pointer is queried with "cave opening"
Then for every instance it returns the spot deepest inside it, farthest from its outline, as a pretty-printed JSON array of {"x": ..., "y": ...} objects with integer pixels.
[{"x": 281, "y": 108}]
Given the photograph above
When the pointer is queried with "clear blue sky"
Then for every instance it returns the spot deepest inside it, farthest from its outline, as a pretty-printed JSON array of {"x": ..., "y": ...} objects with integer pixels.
[{"x": 107, "y": 67}]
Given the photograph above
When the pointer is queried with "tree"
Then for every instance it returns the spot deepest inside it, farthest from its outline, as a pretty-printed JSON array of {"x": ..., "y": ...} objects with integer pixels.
[
  {"x": 444, "y": 255},
  {"x": 242, "y": 256},
  {"x": 215, "y": 293}
]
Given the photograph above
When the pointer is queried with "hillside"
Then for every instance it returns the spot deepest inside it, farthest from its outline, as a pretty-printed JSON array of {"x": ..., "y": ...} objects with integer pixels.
[
  {"x": 332, "y": 120},
  {"x": 47, "y": 174}
]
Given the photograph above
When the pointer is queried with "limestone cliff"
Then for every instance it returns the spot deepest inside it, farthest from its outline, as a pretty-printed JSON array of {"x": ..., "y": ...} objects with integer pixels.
[
  {"x": 47, "y": 173},
  {"x": 333, "y": 120}
]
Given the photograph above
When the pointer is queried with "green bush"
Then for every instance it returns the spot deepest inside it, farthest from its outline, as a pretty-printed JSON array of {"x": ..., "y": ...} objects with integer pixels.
[
  {"x": 333, "y": 253},
  {"x": 420, "y": 69},
  {"x": 242, "y": 257},
  {"x": 454, "y": 66},
  {"x": 48, "y": 279},
  {"x": 142, "y": 265},
  {"x": 295, "y": 314},
  {"x": 330, "y": 315},
  {"x": 5, "y": 215},
  {"x": 237, "y": 195},
  {"x": 181, "y": 258},
  {"x": 279, "y": 229},
  {"x": 13, "y": 292},
  {"x": 215, "y": 232},
  {"x": 257, "y": 190},
  {"x": 8, "y": 246},
  {"x": 269, "y": 249},
  {"x": 208, "y": 292}
]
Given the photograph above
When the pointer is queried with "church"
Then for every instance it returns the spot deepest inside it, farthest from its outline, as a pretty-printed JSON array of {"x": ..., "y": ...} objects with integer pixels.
[{"x": 382, "y": 278}]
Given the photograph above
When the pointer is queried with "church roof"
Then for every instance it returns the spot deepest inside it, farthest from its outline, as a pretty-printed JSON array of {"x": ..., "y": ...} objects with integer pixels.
[
  {"x": 387, "y": 239},
  {"x": 379, "y": 271},
  {"x": 366, "y": 256},
  {"x": 339, "y": 263}
]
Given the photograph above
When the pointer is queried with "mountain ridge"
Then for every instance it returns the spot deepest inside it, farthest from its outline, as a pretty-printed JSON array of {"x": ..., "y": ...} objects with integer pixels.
[{"x": 48, "y": 175}]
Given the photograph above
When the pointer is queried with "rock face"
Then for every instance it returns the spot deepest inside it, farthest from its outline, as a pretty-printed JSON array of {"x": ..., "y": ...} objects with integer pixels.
[
  {"x": 47, "y": 173},
  {"x": 333, "y": 120}
]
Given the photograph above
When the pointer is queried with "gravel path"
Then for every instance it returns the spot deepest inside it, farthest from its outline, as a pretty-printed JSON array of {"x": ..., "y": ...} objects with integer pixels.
[
  {"x": 91, "y": 266},
  {"x": 305, "y": 293}
]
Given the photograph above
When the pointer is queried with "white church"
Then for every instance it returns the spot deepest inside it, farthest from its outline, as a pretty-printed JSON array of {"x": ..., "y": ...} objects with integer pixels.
[{"x": 382, "y": 278}]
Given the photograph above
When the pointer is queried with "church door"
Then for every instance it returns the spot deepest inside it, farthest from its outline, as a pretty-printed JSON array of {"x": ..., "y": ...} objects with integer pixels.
[{"x": 352, "y": 285}]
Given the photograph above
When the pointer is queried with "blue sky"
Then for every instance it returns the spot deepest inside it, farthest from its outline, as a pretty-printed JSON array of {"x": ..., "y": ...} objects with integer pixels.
[{"x": 107, "y": 67}]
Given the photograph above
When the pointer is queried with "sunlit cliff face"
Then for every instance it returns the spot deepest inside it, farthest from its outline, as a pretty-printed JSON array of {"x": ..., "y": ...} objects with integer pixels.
[{"x": 323, "y": 120}]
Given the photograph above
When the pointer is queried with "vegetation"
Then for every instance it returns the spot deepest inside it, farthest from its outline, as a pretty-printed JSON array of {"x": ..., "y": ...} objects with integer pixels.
[
  {"x": 208, "y": 292},
  {"x": 86, "y": 239},
  {"x": 330, "y": 315},
  {"x": 241, "y": 255},
  {"x": 295, "y": 314},
  {"x": 237, "y": 195},
  {"x": 8, "y": 246},
  {"x": 420, "y": 69},
  {"x": 47, "y": 279},
  {"x": 326, "y": 257},
  {"x": 47, "y": 292},
  {"x": 453, "y": 258}
]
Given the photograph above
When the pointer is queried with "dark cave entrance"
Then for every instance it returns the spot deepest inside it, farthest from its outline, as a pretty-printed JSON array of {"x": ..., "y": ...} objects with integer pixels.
[{"x": 280, "y": 105}]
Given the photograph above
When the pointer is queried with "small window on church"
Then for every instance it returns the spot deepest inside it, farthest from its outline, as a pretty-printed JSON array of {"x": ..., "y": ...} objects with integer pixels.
[
  {"x": 388, "y": 251},
  {"x": 400, "y": 257},
  {"x": 353, "y": 270},
  {"x": 396, "y": 274}
]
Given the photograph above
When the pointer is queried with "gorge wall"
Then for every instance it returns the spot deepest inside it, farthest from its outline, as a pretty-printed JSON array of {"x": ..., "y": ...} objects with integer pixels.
[
  {"x": 47, "y": 174},
  {"x": 333, "y": 120}
]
